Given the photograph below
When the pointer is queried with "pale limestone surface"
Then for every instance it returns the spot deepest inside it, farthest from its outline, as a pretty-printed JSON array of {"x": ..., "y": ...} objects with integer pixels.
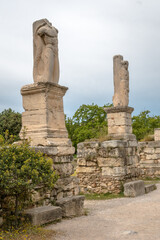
[
  {"x": 43, "y": 119},
  {"x": 150, "y": 188},
  {"x": 119, "y": 120},
  {"x": 134, "y": 188},
  {"x": 157, "y": 134},
  {"x": 119, "y": 116},
  {"x": 149, "y": 154},
  {"x": 45, "y": 50},
  {"x": 121, "y": 81},
  {"x": 72, "y": 206},
  {"x": 103, "y": 166},
  {"x": 43, "y": 215}
]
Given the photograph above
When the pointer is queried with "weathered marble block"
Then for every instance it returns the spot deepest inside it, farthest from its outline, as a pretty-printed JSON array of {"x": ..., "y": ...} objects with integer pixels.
[
  {"x": 72, "y": 206},
  {"x": 134, "y": 189},
  {"x": 109, "y": 162},
  {"x": 149, "y": 155},
  {"x": 112, "y": 163},
  {"x": 121, "y": 81},
  {"x": 157, "y": 134},
  {"x": 114, "y": 171},
  {"x": 119, "y": 120},
  {"x": 43, "y": 215},
  {"x": 150, "y": 188},
  {"x": 43, "y": 120}
]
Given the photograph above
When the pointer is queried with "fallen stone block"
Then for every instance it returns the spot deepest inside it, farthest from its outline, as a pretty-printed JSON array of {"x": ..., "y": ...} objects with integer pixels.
[
  {"x": 150, "y": 188},
  {"x": 43, "y": 215},
  {"x": 134, "y": 189},
  {"x": 72, "y": 206}
]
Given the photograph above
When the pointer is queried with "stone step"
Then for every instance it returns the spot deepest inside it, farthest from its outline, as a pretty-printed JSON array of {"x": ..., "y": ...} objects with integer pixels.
[
  {"x": 149, "y": 188},
  {"x": 43, "y": 215},
  {"x": 134, "y": 188},
  {"x": 72, "y": 206}
]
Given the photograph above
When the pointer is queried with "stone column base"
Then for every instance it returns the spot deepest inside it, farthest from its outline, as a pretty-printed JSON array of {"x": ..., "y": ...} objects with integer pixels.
[
  {"x": 120, "y": 123},
  {"x": 43, "y": 121}
]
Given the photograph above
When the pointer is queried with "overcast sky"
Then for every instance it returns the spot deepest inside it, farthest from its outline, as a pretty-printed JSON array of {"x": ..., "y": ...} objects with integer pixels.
[{"x": 91, "y": 32}]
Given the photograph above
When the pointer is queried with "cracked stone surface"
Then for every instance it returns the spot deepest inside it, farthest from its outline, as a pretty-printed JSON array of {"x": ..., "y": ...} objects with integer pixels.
[{"x": 117, "y": 219}]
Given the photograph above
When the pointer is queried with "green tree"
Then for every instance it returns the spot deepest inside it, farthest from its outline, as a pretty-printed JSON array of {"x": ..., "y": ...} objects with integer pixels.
[
  {"x": 21, "y": 170},
  {"x": 89, "y": 121},
  {"x": 10, "y": 121},
  {"x": 144, "y": 124}
]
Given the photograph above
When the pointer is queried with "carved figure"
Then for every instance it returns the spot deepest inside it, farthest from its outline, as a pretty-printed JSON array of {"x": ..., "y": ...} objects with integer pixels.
[
  {"x": 121, "y": 82},
  {"x": 45, "y": 51}
]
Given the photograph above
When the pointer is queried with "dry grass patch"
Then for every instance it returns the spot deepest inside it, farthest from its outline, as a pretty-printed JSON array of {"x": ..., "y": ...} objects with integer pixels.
[
  {"x": 28, "y": 233},
  {"x": 103, "y": 196}
]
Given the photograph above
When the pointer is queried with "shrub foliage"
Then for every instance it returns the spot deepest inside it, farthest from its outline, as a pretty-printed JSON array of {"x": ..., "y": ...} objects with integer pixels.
[
  {"x": 21, "y": 170},
  {"x": 144, "y": 124},
  {"x": 88, "y": 122},
  {"x": 10, "y": 121}
]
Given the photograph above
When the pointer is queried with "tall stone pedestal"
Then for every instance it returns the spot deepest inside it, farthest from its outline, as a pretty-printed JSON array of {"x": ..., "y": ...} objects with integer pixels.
[
  {"x": 44, "y": 124},
  {"x": 43, "y": 119},
  {"x": 120, "y": 123}
]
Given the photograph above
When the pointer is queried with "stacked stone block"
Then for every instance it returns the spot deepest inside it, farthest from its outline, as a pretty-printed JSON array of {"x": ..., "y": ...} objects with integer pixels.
[
  {"x": 66, "y": 185},
  {"x": 43, "y": 120},
  {"x": 104, "y": 166},
  {"x": 119, "y": 122},
  {"x": 149, "y": 154}
]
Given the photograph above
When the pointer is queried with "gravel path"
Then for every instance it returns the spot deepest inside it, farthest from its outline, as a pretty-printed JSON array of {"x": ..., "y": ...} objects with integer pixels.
[{"x": 117, "y": 219}]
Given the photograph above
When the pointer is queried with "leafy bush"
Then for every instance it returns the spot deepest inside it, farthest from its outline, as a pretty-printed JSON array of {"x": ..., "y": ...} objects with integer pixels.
[
  {"x": 2, "y": 140},
  {"x": 144, "y": 124},
  {"x": 10, "y": 121},
  {"x": 21, "y": 170},
  {"x": 88, "y": 122}
]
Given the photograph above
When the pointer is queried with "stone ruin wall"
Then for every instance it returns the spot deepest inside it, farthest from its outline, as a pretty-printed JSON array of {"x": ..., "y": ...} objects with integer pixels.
[
  {"x": 104, "y": 166},
  {"x": 149, "y": 159},
  {"x": 66, "y": 185}
]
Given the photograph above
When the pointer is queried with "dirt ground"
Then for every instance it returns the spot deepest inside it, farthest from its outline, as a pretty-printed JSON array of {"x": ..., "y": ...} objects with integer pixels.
[{"x": 117, "y": 219}]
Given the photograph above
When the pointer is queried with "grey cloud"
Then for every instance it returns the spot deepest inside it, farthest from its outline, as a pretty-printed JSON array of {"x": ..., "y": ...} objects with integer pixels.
[{"x": 90, "y": 33}]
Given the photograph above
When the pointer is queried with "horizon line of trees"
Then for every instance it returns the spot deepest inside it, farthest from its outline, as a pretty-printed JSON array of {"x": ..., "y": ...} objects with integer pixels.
[{"x": 88, "y": 122}]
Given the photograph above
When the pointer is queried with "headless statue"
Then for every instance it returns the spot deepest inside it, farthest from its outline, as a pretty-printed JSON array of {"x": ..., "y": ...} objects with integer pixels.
[
  {"x": 45, "y": 51},
  {"x": 121, "y": 82}
]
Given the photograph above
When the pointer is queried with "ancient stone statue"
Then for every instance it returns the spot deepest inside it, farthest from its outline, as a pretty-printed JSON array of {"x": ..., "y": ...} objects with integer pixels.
[
  {"x": 45, "y": 51},
  {"x": 121, "y": 82}
]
